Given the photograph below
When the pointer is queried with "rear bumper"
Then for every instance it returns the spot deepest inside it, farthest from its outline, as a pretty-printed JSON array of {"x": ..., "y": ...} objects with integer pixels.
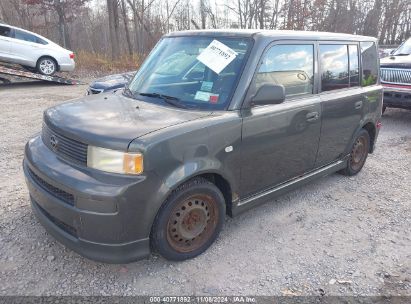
[
  {"x": 397, "y": 97},
  {"x": 67, "y": 67},
  {"x": 103, "y": 217}
]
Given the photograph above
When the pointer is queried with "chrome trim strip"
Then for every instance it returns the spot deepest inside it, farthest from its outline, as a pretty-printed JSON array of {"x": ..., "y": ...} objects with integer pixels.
[{"x": 286, "y": 184}]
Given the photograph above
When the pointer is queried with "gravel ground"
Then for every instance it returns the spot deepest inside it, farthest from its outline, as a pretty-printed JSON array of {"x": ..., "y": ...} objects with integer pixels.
[{"x": 335, "y": 236}]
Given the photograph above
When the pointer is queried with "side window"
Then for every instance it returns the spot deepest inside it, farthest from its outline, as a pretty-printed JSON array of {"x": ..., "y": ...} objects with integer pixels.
[
  {"x": 289, "y": 65},
  {"x": 41, "y": 41},
  {"x": 334, "y": 67},
  {"x": 369, "y": 61},
  {"x": 5, "y": 31},
  {"x": 24, "y": 36},
  {"x": 354, "y": 66}
]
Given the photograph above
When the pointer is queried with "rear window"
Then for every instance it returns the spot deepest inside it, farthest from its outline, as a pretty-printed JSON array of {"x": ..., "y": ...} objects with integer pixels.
[
  {"x": 369, "y": 60},
  {"x": 334, "y": 67},
  {"x": 354, "y": 66},
  {"x": 339, "y": 66}
]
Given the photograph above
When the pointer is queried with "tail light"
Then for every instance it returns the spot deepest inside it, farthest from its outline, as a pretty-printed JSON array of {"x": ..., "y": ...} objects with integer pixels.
[
  {"x": 379, "y": 125},
  {"x": 71, "y": 56}
]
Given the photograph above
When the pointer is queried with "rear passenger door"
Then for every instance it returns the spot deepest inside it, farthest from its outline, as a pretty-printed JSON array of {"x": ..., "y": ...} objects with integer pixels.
[
  {"x": 341, "y": 98},
  {"x": 280, "y": 141}
]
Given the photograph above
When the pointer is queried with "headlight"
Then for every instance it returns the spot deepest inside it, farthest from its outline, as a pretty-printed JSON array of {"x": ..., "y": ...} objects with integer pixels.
[{"x": 114, "y": 161}]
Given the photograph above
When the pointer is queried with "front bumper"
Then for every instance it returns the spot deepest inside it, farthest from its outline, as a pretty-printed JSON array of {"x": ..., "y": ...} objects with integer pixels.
[
  {"x": 397, "y": 97},
  {"x": 105, "y": 217}
]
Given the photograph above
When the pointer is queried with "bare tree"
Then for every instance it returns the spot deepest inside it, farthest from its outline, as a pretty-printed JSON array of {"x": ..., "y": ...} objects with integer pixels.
[
  {"x": 126, "y": 28},
  {"x": 111, "y": 27}
]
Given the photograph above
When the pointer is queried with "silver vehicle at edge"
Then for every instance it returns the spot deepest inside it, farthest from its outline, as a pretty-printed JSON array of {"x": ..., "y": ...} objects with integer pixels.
[{"x": 34, "y": 52}]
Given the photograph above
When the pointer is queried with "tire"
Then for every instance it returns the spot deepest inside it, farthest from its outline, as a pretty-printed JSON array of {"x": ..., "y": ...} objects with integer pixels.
[
  {"x": 46, "y": 66},
  {"x": 189, "y": 221},
  {"x": 358, "y": 154}
]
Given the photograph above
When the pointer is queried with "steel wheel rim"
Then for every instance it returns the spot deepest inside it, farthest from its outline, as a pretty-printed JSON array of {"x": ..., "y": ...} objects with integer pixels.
[
  {"x": 192, "y": 223},
  {"x": 47, "y": 66},
  {"x": 358, "y": 153}
]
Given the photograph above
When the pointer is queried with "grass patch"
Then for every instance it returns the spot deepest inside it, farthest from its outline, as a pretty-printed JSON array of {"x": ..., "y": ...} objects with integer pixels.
[{"x": 88, "y": 63}]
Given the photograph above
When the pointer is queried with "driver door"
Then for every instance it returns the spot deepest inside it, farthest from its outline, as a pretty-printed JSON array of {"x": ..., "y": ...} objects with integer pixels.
[{"x": 280, "y": 141}]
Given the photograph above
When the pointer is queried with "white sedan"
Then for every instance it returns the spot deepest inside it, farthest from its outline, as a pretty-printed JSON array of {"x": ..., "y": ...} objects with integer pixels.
[{"x": 33, "y": 51}]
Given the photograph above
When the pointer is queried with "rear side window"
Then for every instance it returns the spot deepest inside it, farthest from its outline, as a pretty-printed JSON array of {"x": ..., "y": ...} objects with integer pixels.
[
  {"x": 5, "y": 31},
  {"x": 28, "y": 37},
  {"x": 354, "y": 66},
  {"x": 289, "y": 65},
  {"x": 334, "y": 67},
  {"x": 369, "y": 63}
]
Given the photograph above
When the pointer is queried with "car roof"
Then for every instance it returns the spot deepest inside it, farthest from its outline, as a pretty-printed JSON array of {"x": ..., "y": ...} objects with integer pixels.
[
  {"x": 29, "y": 32},
  {"x": 282, "y": 34}
]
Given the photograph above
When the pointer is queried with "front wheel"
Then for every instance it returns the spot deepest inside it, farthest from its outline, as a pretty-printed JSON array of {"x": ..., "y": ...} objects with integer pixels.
[
  {"x": 46, "y": 66},
  {"x": 359, "y": 153},
  {"x": 189, "y": 221}
]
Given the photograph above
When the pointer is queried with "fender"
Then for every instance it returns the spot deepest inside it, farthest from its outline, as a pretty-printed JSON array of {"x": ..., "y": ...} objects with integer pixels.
[
  {"x": 361, "y": 125},
  {"x": 179, "y": 176},
  {"x": 197, "y": 167}
]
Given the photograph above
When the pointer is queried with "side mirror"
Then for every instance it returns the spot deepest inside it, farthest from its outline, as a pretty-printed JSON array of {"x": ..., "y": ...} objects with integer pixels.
[{"x": 269, "y": 94}]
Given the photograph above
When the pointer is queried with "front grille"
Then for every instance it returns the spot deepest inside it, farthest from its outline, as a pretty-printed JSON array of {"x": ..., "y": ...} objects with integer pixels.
[
  {"x": 63, "y": 226},
  {"x": 64, "y": 146},
  {"x": 396, "y": 76},
  {"x": 60, "y": 194}
]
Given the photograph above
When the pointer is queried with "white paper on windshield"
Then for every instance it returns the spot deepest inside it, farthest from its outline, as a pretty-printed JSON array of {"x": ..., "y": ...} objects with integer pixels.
[{"x": 217, "y": 56}]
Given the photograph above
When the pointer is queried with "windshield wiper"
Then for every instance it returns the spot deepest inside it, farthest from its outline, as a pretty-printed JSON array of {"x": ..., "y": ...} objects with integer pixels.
[
  {"x": 168, "y": 99},
  {"x": 401, "y": 54}
]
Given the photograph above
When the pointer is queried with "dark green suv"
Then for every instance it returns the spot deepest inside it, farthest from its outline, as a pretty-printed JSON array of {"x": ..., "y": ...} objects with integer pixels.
[{"x": 213, "y": 123}]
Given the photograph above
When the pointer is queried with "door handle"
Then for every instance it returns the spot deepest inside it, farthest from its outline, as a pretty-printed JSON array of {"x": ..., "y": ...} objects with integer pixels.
[
  {"x": 312, "y": 116},
  {"x": 358, "y": 105}
]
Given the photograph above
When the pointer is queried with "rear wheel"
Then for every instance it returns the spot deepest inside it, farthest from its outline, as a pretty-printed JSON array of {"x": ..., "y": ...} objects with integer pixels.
[
  {"x": 189, "y": 221},
  {"x": 359, "y": 153},
  {"x": 46, "y": 66}
]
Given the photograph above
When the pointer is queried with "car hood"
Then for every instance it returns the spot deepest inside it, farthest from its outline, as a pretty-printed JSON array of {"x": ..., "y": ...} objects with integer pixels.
[
  {"x": 112, "y": 81},
  {"x": 113, "y": 120},
  {"x": 396, "y": 61}
]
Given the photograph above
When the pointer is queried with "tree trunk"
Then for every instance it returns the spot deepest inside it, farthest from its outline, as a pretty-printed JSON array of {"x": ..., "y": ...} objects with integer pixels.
[
  {"x": 63, "y": 30},
  {"x": 126, "y": 29},
  {"x": 203, "y": 14},
  {"x": 115, "y": 47}
]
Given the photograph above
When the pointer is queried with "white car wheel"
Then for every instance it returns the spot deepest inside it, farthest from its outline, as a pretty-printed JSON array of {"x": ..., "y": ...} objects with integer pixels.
[{"x": 47, "y": 66}]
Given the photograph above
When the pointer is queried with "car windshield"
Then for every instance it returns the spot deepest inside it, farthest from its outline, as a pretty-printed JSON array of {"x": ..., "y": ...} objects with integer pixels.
[
  {"x": 191, "y": 72},
  {"x": 403, "y": 49}
]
